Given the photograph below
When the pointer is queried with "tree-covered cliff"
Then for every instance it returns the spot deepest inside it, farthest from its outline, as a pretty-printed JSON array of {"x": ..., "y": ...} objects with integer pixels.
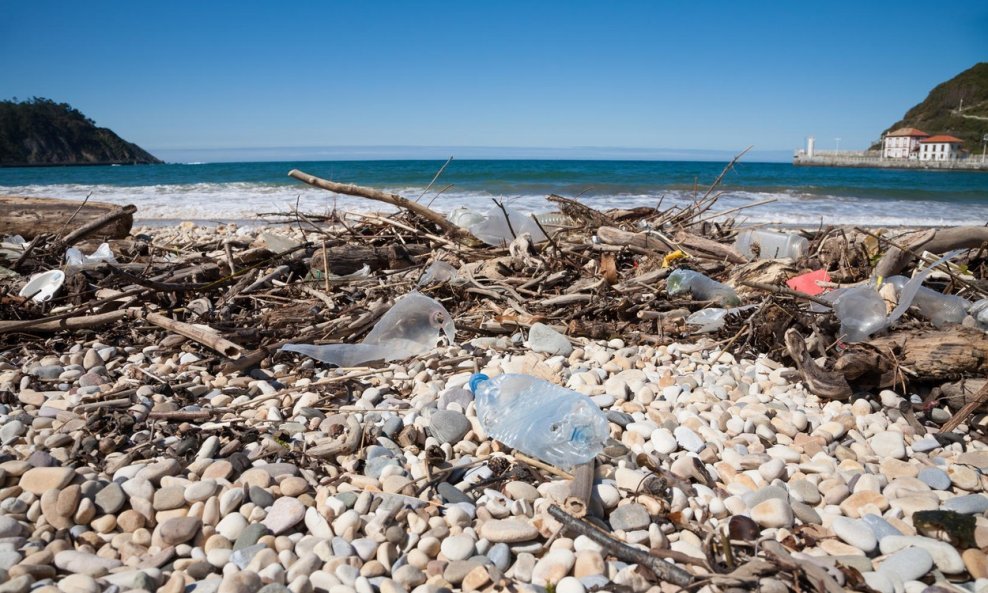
[
  {"x": 42, "y": 132},
  {"x": 958, "y": 107}
]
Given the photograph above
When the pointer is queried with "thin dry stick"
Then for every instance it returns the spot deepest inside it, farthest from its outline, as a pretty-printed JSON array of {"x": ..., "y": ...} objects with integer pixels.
[
  {"x": 622, "y": 551},
  {"x": 543, "y": 466},
  {"x": 967, "y": 410},
  {"x": 438, "y": 173},
  {"x": 74, "y": 214}
]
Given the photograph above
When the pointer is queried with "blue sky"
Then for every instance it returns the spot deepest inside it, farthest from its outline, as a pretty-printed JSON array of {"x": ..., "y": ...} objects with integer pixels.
[{"x": 186, "y": 78}]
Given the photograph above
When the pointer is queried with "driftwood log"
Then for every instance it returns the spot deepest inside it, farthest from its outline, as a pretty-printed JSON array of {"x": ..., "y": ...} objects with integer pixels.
[
  {"x": 915, "y": 354},
  {"x": 30, "y": 217},
  {"x": 933, "y": 240},
  {"x": 347, "y": 259}
]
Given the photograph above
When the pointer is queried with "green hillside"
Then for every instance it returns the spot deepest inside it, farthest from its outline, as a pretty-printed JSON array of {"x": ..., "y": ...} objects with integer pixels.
[
  {"x": 941, "y": 112},
  {"x": 43, "y": 132}
]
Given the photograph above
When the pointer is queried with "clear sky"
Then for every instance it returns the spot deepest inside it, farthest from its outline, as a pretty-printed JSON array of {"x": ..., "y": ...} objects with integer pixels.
[{"x": 180, "y": 76}]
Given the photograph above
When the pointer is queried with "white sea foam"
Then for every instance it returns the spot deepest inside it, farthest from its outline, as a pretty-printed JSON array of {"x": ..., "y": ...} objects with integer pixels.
[{"x": 245, "y": 201}]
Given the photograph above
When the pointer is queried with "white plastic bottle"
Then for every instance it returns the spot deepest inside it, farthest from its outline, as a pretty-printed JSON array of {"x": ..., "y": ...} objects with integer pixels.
[
  {"x": 758, "y": 244},
  {"x": 540, "y": 419}
]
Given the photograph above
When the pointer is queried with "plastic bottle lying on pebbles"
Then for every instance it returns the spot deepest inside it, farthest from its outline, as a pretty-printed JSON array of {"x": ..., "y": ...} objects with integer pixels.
[
  {"x": 551, "y": 423},
  {"x": 700, "y": 287}
]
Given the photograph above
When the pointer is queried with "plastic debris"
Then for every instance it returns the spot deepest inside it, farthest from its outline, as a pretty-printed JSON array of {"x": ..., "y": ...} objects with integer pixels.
[
  {"x": 711, "y": 320},
  {"x": 807, "y": 283},
  {"x": 941, "y": 309},
  {"x": 438, "y": 271},
  {"x": 862, "y": 311},
  {"x": 41, "y": 287},
  {"x": 759, "y": 244},
  {"x": 409, "y": 328},
  {"x": 540, "y": 419},
  {"x": 492, "y": 228},
  {"x": 75, "y": 257},
  {"x": 700, "y": 287},
  {"x": 671, "y": 258}
]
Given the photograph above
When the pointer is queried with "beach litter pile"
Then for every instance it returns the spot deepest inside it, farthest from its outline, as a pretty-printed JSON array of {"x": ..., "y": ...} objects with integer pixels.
[{"x": 713, "y": 415}]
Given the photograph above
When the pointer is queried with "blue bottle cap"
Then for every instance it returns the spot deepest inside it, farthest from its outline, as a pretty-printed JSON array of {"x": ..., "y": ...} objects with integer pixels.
[{"x": 476, "y": 380}]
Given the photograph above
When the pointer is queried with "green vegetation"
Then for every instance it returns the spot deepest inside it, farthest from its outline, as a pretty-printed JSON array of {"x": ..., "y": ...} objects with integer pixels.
[
  {"x": 42, "y": 132},
  {"x": 941, "y": 112}
]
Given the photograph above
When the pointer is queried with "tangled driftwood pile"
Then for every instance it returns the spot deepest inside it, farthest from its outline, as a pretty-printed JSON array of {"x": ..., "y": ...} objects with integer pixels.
[{"x": 236, "y": 299}]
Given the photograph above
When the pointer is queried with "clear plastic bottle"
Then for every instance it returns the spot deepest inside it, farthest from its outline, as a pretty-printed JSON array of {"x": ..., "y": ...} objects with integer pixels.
[
  {"x": 862, "y": 312},
  {"x": 701, "y": 287},
  {"x": 758, "y": 244},
  {"x": 939, "y": 308},
  {"x": 540, "y": 419}
]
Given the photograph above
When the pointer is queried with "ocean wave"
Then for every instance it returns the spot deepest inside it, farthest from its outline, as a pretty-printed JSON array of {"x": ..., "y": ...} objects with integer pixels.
[{"x": 246, "y": 200}]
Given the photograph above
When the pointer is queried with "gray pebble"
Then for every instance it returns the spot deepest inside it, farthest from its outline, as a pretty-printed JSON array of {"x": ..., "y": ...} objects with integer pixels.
[{"x": 448, "y": 426}]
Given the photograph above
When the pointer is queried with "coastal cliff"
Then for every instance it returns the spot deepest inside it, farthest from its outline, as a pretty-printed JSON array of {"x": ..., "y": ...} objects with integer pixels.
[
  {"x": 958, "y": 107},
  {"x": 42, "y": 132}
]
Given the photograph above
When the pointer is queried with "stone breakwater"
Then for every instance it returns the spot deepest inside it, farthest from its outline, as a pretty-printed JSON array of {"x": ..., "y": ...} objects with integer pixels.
[{"x": 229, "y": 504}]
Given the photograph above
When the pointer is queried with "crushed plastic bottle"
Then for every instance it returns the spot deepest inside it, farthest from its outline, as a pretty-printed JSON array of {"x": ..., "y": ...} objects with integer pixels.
[
  {"x": 493, "y": 229},
  {"x": 862, "y": 310},
  {"x": 979, "y": 310},
  {"x": 75, "y": 257},
  {"x": 409, "y": 328},
  {"x": 438, "y": 271},
  {"x": 941, "y": 309},
  {"x": 759, "y": 244},
  {"x": 701, "y": 287},
  {"x": 711, "y": 320},
  {"x": 540, "y": 419}
]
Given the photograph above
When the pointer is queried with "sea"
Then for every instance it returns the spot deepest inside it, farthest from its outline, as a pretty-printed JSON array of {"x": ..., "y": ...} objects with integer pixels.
[{"x": 752, "y": 192}]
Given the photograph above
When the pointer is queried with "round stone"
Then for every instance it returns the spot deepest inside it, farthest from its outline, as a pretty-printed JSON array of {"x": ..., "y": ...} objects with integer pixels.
[
  {"x": 285, "y": 513},
  {"x": 458, "y": 547},
  {"x": 888, "y": 444},
  {"x": 448, "y": 426},
  {"x": 39, "y": 480},
  {"x": 179, "y": 530},
  {"x": 773, "y": 512},
  {"x": 855, "y": 532}
]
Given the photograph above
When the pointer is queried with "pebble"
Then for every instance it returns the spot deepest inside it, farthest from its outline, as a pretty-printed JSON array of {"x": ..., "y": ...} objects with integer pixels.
[
  {"x": 508, "y": 531},
  {"x": 945, "y": 556},
  {"x": 39, "y": 480},
  {"x": 448, "y": 426},
  {"x": 855, "y": 532},
  {"x": 908, "y": 564},
  {"x": 285, "y": 513},
  {"x": 888, "y": 444},
  {"x": 934, "y": 477},
  {"x": 773, "y": 512},
  {"x": 542, "y": 338},
  {"x": 968, "y": 504},
  {"x": 629, "y": 517}
]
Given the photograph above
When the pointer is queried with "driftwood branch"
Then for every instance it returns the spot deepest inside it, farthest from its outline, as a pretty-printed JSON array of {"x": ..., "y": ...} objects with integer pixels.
[
  {"x": 662, "y": 569},
  {"x": 578, "y": 502},
  {"x": 820, "y": 382},
  {"x": 126, "y": 214},
  {"x": 206, "y": 337},
  {"x": 388, "y": 198}
]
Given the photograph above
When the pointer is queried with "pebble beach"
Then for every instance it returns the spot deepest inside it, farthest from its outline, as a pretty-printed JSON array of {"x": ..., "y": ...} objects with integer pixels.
[{"x": 139, "y": 465}]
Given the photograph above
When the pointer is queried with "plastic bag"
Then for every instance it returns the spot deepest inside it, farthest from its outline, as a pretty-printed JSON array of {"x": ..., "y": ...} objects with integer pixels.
[{"x": 75, "y": 257}]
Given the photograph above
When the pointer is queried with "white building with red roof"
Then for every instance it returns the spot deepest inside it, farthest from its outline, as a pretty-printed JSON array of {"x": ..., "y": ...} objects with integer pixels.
[
  {"x": 939, "y": 148},
  {"x": 903, "y": 143}
]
